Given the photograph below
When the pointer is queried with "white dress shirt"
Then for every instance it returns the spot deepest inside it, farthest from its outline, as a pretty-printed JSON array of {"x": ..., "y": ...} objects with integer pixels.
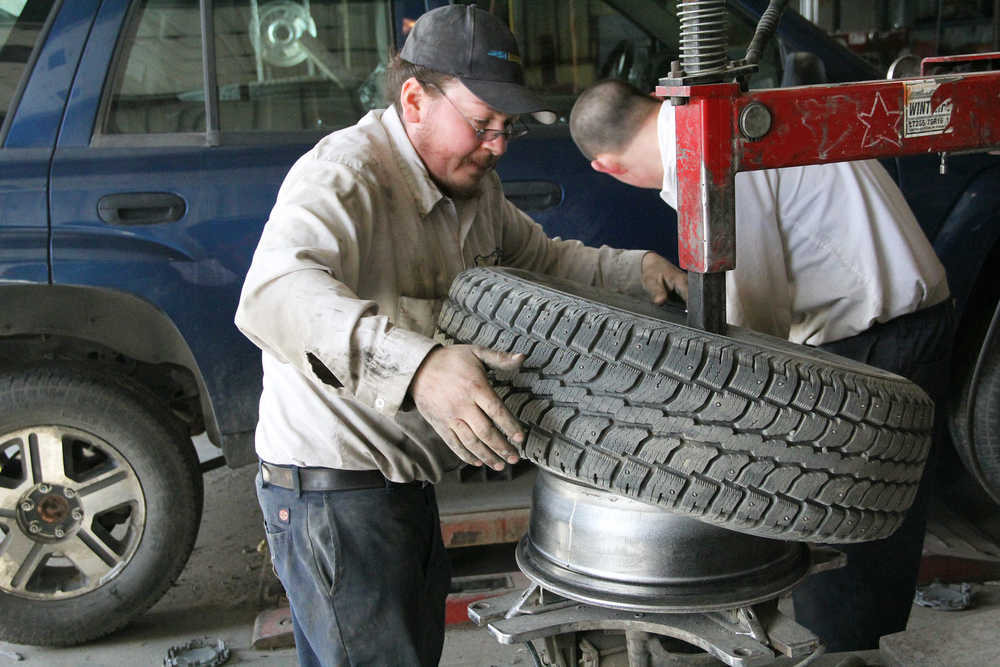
[
  {"x": 346, "y": 285},
  {"x": 823, "y": 252}
]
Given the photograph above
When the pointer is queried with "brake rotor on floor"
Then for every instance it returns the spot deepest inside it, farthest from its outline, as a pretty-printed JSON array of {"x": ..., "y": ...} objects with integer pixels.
[{"x": 197, "y": 653}]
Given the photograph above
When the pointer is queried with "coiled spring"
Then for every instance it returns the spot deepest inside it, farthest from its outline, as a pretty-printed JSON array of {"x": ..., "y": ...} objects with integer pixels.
[{"x": 703, "y": 36}]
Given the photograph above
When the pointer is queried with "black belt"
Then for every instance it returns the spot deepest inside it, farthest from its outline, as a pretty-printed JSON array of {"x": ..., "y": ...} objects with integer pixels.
[{"x": 322, "y": 479}]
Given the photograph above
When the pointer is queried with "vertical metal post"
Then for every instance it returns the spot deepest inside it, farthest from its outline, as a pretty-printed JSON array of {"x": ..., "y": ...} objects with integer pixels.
[
  {"x": 996, "y": 25},
  {"x": 636, "y": 643},
  {"x": 938, "y": 29},
  {"x": 255, "y": 40},
  {"x": 706, "y": 200},
  {"x": 707, "y": 301},
  {"x": 882, "y": 14},
  {"x": 705, "y": 174},
  {"x": 212, "y": 133}
]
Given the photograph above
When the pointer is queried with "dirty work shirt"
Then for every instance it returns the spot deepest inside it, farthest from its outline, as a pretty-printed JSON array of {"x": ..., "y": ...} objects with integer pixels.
[
  {"x": 823, "y": 252},
  {"x": 345, "y": 287}
]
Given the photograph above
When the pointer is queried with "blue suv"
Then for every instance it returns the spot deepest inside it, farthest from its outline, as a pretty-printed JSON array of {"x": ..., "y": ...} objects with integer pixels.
[{"x": 143, "y": 143}]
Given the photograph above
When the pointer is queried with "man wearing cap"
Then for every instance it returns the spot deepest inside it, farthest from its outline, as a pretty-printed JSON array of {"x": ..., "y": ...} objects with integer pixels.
[{"x": 362, "y": 411}]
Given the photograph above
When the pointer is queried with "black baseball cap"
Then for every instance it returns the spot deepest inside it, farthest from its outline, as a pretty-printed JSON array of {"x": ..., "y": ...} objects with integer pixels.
[{"x": 476, "y": 47}]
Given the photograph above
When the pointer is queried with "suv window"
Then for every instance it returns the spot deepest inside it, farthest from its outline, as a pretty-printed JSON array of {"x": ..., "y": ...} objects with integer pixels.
[
  {"x": 291, "y": 66},
  {"x": 21, "y": 24},
  {"x": 568, "y": 46},
  {"x": 280, "y": 66},
  {"x": 160, "y": 85}
]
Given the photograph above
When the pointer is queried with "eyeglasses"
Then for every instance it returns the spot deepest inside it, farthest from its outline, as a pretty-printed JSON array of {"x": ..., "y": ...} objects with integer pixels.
[{"x": 509, "y": 133}]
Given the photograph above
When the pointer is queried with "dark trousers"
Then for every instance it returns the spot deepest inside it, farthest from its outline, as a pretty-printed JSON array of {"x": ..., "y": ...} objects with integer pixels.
[
  {"x": 850, "y": 608},
  {"x": 365, "y": 572}
]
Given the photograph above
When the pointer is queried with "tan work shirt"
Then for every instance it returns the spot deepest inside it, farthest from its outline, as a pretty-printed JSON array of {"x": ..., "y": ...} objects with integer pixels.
[{"x": 345, "y": 287}]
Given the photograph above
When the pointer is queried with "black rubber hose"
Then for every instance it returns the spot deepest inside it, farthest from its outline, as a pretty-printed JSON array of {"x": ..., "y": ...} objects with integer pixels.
[
  {"x": 765, "y": 29},
  {"x": 535, "y": 658}
]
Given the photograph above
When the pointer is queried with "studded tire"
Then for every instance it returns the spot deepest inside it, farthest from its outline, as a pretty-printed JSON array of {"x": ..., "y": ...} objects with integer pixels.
[
  {"x": 742, "y": 430},
  {"x": 100, "y": 502}
]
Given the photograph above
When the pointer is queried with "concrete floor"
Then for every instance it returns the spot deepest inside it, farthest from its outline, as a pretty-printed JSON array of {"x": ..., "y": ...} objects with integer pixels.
[
  {"x": 219, "y": 595},
  {"x": 224, "y": 586}
]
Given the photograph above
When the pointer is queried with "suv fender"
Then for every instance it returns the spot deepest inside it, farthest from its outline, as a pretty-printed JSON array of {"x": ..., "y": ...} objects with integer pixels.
[{"x": 114, "y": 320}]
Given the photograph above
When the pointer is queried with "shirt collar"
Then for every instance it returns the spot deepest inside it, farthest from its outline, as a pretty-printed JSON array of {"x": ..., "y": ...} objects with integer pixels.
[
  {"x": 666, "y": 135},
  {"x": 425, "y": 192}
]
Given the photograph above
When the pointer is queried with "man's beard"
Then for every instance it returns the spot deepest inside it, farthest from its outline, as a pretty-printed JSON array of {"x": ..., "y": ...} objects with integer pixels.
[
  {"x": 471, "y": 191},
  {"x": 466, "y": 191}
]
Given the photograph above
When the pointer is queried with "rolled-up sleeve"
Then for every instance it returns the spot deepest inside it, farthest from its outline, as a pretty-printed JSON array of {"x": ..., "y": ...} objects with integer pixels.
[{"x": 299, "y": 301}]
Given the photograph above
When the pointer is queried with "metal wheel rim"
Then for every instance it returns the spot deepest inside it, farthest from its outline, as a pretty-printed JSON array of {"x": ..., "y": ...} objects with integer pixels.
[
  {"x": 72, "y": 512},
  {"x": 596, "y": 547}
]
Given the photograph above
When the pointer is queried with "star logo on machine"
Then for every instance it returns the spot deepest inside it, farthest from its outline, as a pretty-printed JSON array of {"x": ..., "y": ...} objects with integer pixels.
[{"x": 880, "y": 124}]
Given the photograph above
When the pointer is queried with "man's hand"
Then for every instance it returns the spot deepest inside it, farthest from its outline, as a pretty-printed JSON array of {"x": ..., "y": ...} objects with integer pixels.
[
  {"x": 660, "y": 277},
  {"x": 451, "y": 391}
]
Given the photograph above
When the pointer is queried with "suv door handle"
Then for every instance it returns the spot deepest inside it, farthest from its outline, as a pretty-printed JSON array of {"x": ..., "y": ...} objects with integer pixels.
[
  {"x": 141, "y": 208},
  {"x": 533, "y": 195}
]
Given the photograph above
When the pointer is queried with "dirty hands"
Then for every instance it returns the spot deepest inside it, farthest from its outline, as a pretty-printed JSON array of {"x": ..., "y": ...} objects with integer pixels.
[
  {"x": 452, "y": 393},
  {"x": 660, "y": 277}
]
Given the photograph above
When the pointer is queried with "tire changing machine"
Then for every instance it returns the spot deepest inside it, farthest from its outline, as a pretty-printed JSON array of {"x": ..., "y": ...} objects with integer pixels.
[
  {"x": 677, "y": 590},
  {"x": 600, "y": 562}
]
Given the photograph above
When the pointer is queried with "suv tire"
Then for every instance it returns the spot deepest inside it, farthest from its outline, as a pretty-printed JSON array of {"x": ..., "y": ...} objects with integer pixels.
[
  {"x": 100, "y": 500},
  {"x": 745, "y": 431},
  {"x": 975, "y": 421}
]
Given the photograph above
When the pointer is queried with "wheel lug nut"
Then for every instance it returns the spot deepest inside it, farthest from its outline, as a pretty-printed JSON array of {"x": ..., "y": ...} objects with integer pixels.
[
  {"x": 34, "y": 527},
  {"x": 44, "y": 488},
  {"x": 60, "y": 532},
  {"x": 27, "y": 506},
  {"x": 68, "y": 492},
  {"x": 77, "y": 515}
]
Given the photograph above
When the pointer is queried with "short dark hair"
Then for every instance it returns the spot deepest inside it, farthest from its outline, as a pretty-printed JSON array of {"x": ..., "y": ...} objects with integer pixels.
[
  {"x": 399, "y": 71},
  {"x": 607, "y": 115}
]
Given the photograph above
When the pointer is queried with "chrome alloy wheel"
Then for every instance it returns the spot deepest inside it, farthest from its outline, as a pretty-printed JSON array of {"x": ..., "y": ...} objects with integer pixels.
[{"x": 72, "y": 512}]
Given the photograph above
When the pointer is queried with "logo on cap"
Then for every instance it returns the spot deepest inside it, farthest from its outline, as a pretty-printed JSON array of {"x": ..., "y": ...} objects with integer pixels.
[{"x": 504, "y": 55}]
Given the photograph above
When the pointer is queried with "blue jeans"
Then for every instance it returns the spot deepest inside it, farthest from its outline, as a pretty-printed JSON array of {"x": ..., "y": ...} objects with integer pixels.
[
  {"x": 850, "y": 608},
  {"x": 365, "y": 571}
]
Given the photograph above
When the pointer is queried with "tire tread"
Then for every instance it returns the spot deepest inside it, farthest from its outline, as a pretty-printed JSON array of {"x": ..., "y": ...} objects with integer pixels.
[{"x": 704, "y": 425}]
